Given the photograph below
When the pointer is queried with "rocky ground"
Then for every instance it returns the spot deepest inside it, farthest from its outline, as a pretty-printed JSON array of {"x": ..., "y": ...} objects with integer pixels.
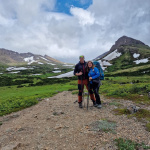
[{"x": 57, "y": 123}]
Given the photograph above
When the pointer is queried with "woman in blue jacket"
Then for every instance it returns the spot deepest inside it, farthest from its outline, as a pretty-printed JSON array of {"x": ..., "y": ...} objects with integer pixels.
[{"x": 94, "y": 80}]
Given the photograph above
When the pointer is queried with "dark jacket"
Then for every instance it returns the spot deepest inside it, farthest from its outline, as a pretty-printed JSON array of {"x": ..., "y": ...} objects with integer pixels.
[{"x": 81, "y": 67}]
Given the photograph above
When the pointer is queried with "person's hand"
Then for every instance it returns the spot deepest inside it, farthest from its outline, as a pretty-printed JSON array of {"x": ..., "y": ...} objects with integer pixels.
[
  {"x": 90, "y": 78},
  {"x": 80, "y": 73}
]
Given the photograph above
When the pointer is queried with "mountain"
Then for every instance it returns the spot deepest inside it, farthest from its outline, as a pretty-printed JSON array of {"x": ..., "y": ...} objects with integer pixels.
[
  {"x": 10, "y": 57},
  {"x": 124, "y": 54}
]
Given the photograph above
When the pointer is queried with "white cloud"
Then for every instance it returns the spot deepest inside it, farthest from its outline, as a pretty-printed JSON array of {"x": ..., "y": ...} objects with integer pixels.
[
  {"x": 25, "y": 26},
  {"x": 85, "y": 17},
  {"x": 6, "y": 22}
]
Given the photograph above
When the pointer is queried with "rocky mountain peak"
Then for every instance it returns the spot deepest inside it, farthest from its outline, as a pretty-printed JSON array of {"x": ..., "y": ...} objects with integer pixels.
[{"x": 124, "y": 40}]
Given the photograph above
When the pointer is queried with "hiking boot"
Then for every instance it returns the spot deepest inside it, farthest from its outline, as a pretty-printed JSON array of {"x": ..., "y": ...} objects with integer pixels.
[
  {"x": 94, "y": 103},
  {"x": 99, "y": 106},
  {"x": 80, "y": 105}
]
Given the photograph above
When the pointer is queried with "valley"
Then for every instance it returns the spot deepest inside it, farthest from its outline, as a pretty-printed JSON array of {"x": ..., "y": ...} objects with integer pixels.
[{"x": 38, "y": 101}]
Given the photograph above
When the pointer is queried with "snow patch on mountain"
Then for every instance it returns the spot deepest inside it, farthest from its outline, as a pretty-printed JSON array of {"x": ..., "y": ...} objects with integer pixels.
[
  {"x": 19, "y": 68},
  {"x": 58, "y": 71},
  {"x": 104, "y": 68},
  {"x": 68, "y": 65},
  {"x": 68, "y": 74},
  {"x": 112, "y": 55},
  {"x": 106, "y": 63},
  {"x": 30, "y": 60},
  {"x": 136, "y": 55},
  {"x": 141, "y": 61},
  {"x": 145, "y": 71},
  {"x": 35, "y": 74},
  {"x": 51, "y": 64},
  {"x": 44, "y": 58},
  {"x": 15, "y": 72},
  {"x": 40, "y": 63}
]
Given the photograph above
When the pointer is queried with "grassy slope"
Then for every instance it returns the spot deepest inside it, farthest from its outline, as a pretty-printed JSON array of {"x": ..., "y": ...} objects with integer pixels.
[
  {"x": 132, "y": 88},
  {"x": 126, "y": 60},
  {"x": 14, "y": 99},
  {"x": 45, "y": 70},
  {"x": 131, "y": 71},
  {"x": 2, "y": 67}
]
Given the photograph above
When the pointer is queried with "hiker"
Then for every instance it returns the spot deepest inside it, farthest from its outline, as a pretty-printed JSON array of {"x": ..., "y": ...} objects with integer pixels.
[
  {"x": 94, "y": 79},
  {"x": 80, "y": 71}
]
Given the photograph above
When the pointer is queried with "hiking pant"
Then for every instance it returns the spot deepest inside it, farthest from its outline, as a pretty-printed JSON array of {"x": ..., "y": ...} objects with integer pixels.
[
  {"x": 81, "y": 87},
  {"x": 95, "y": 88}
]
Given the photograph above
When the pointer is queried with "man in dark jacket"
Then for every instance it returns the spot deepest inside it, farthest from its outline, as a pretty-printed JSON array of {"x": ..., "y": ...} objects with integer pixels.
[{"x": 80, "y": 71}]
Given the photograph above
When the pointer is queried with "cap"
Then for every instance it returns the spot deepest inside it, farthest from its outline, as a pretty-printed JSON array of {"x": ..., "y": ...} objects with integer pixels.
[{"x": 82, "y": 56}]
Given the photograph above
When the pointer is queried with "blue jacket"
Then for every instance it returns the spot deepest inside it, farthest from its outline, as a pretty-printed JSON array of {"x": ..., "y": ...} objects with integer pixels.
[{"x": 94, "y": 73}]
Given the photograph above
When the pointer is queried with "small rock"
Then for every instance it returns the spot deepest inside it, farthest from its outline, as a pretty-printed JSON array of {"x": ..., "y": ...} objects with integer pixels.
[
  {"x": 115, "y": 107},
  {"x": 35, "y": 116},
  {"x": 86, "y": 93},
  {"x": 39, "y": 99},
  {"x": 47, "y": 99},
  {"x": 58, "y": 126},
  {"x": 133, "y": 109},
  {"x": 58, "y": 113},
  {"x": 48, "y": 118},
  {"x": 87, "y": 127},
  {"x": 75, "y": 101}
]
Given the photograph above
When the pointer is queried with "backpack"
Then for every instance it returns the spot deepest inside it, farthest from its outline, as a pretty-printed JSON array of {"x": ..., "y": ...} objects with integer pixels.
[{"x": 97, "y": 65}]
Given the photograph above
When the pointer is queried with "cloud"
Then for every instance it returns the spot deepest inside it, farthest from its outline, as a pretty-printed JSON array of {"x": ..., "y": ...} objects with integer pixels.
[
  {"x": 34, "y": 26},
  {"x": 124, "y": 17},
  {"x": 85, "y": 17}
]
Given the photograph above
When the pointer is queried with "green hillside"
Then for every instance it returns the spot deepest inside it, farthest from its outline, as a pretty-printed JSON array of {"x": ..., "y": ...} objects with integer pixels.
[{"x": 126, "y": 60}]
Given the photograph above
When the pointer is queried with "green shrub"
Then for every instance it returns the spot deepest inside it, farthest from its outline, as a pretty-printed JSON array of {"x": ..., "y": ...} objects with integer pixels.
[
  {"x": 104, "y": 125},
  {"x": 15, "y": 104},
  {"x": 124, "y": 144},
  {"x": 121, "y": 111},
  {"x": 143, "y": 113},
  {"x": 115, "y": 103},
  {"x": 148, "y": 127}
]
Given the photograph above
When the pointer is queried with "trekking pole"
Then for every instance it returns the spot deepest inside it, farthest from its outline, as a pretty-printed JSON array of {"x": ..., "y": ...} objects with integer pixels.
[
  {"x": 82, "y": 89},
  {"x": 88, "y": 96}
]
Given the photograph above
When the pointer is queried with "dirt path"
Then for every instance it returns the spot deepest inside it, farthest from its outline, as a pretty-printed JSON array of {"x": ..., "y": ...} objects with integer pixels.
[{"x": 57, "y": 123}]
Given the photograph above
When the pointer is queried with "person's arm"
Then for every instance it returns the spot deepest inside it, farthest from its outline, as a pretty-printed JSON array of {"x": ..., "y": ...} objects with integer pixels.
[
  {"x": 76, "y": 71},
  {"x": 79, "y": 74},
  {"x": 97, "y": 74},
  {"x": 89, "y": 75}
]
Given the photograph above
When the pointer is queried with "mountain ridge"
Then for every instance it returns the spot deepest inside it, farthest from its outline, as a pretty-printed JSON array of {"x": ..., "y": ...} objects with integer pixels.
[
  {"x": 10, "y": 57},
  {"x": 124, "y": 40},
  {"x": 125, "y": 53}
]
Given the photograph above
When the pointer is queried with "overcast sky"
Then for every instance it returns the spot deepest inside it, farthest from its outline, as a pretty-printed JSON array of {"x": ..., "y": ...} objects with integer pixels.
[{"x": 65, "y": 29}]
